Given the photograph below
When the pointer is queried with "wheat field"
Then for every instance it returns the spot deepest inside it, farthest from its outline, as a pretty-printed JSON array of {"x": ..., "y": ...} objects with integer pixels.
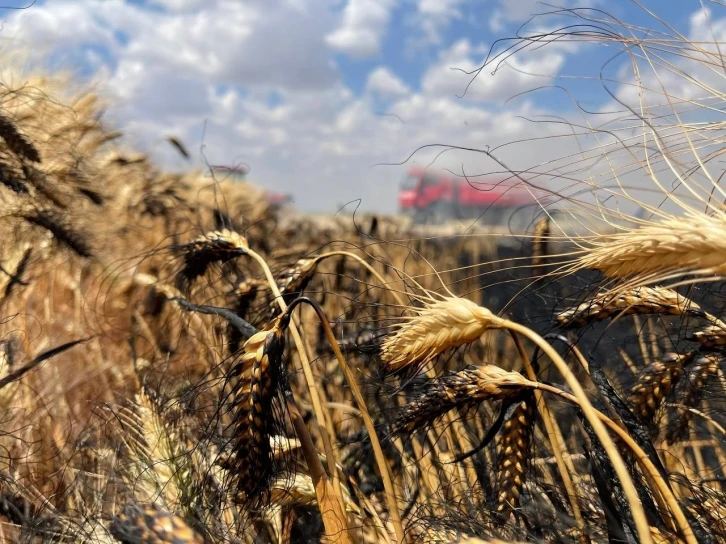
[{"x": 180, "y": 362}]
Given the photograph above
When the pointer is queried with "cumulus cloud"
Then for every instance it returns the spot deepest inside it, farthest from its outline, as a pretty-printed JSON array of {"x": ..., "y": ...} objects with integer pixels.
[
  {"x": 458, "y": 65},
  {"x": 254, "y": 82},
  {"x": 385, "y": 83},
  {"x": 434, "y": 15},
  {"x": 222, "y": 42},
  {"x": 362, "y": 27}
]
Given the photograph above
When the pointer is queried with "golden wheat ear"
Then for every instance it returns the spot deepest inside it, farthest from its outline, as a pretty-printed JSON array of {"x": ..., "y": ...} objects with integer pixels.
[
  {"x": 434, "y": 328},
  {"x": 515, "y": 440},
  {"x": 674, "y": 246}
]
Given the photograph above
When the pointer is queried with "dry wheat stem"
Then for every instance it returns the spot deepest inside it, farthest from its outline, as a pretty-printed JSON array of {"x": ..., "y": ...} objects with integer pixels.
[
  {"x": 564, "y": 464},
  {"x": 368, "y": 422},
  {"x": 330, "y": 497}
]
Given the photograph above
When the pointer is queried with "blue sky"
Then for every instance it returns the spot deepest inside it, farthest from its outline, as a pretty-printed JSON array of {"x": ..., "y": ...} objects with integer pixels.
[{"x": 314, "y": 93}]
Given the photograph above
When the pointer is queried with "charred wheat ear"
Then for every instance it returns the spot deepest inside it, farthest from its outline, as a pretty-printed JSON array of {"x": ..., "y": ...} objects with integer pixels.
[
  {"x": 11, "y": 174},
  {"x": 258, "y": 376},
  {"x": 639, "y": 300},
  {"x": 467, "y": 387},
  {"x": 703, "y": 368},
  {"x": 654, "y": 383},
  {"x": 17, "y": 142},
  {"x": 213, "y": 247},
  {"x": 59, "y": 226}
]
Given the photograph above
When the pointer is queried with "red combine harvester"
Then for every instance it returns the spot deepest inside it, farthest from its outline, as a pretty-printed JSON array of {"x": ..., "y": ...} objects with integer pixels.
[{"x": 431, "y": 197}]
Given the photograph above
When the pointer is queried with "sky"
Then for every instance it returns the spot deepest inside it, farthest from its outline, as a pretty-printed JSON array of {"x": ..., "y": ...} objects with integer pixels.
[{"x": 329, "y": 100}]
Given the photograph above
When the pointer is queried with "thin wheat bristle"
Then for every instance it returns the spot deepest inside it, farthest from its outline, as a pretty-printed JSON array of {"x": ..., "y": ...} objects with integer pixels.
[
  {"x": 653, "y": 385},
  {"x": 16, "y": 142},
  {"x": 462, "y": 389},
  {"x": 638, "y": 300},
  {"x": 688, "y": 244},
  {"x": 513, "y": 451},
  {"x": 150, "y": 525},
  {"x": 436, "y": 327}
]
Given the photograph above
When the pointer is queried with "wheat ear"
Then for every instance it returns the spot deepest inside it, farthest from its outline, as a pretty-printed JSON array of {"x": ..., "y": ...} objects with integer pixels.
[
  {"x": 653, "y": 385},
  {"x": 691, "y": 244},
  {"x": 638, "y": 300},
  {"x": 467, "y": 387},
  {"x": 435, "y": 328},
  {"x": 514, "y": 442}
]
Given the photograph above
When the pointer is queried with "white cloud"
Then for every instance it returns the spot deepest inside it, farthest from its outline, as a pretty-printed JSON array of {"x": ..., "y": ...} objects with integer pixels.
[
  {"x": 456, "y": 67},
  {"x": 385, "y": 83},
  {"x": 227, "y": 42},
  {"x": 362, "y": 28},
  {"x": 427, "y": 22},
  {"x": 176, "y": 69}
]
